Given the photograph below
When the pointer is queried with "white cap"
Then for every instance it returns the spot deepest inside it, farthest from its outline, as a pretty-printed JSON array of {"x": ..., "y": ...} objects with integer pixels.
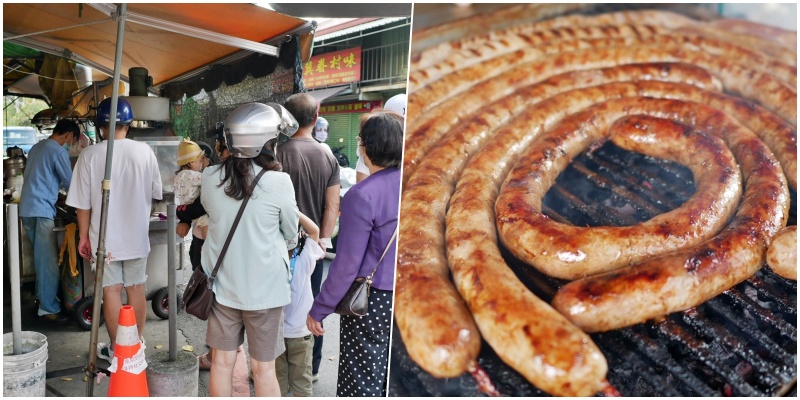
[{"x": 397, "y": 104}]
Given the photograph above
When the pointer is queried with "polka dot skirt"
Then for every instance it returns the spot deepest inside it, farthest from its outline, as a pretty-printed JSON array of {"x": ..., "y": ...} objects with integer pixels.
[{"x": 364, "y": 349}]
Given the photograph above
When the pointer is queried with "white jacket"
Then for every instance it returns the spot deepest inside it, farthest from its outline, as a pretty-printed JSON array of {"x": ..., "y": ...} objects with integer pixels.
[{"x": 294, "y": 314}]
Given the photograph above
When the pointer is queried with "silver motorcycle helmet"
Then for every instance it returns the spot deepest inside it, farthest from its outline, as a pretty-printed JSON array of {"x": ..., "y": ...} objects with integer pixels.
[{"x": 251, "y": 125}]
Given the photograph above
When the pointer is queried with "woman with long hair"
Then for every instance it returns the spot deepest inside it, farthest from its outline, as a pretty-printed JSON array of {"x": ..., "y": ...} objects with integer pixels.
[{"x": 252, "y": 284}]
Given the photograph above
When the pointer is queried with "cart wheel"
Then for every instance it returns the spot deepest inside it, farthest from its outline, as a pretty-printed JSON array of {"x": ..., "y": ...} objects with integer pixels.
[
  {"x": 161, "y": 302},
  {"x": 83, "y": 313}
]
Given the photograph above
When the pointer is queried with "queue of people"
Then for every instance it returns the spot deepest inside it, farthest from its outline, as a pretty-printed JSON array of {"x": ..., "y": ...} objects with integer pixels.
[
  {"x": 270, "y": 283},
  {"x": 315, "y": 176},
  {"x": 368, "y": 222},
  {"x": 368, "y": 219},
  {"x": 127, "y": 244}
]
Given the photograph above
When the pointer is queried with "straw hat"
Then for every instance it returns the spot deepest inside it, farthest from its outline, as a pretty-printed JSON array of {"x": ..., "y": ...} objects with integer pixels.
[{"x": 188, "y": 151}]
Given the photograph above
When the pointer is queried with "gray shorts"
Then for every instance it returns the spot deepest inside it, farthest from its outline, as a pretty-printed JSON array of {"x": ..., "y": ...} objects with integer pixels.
[
  {"x": 126, "y": 272},
  {"x": 226, "y": 327}
]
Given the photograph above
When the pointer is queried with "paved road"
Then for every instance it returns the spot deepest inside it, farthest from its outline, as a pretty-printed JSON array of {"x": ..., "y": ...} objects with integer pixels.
[{"x": 68, "y": 345}]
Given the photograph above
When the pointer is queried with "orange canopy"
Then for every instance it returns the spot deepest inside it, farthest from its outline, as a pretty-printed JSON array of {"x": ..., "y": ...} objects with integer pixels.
[{"x": 86, "y": 35}]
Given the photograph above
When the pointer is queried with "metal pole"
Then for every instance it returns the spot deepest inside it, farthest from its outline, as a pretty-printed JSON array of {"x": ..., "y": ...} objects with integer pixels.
[
  {"x": 181, "y": 251},
  {"x": 101, "y": 246},
  {"x": 13, "y": 259},
  {"x": 171, "y": 292}
]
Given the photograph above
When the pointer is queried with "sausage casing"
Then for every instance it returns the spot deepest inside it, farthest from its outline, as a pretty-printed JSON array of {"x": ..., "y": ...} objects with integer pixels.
[
  {"x": 782, "y": 253},
  {"x": 691, "y": 276}
]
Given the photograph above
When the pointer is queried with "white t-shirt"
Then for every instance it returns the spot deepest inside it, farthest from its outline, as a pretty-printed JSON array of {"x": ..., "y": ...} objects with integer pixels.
[
  {"x": 294, "y": 314},
  {"x": 135, "y": 182}
]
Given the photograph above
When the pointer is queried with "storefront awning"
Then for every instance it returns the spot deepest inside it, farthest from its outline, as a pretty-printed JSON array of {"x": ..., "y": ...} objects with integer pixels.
[{"x": 322, "y": 94}]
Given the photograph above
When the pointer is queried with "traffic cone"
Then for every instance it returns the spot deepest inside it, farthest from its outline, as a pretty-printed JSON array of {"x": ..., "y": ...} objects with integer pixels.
[{"x": 128, "y": 376}]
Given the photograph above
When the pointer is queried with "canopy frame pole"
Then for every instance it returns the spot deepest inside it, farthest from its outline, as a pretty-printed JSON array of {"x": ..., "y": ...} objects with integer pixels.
[
  {"x": 172, "y": 281},
  {"x": 91, "y": 369},
  {"x": 57, "y": 29},
  {"x": 191, "y": 31},
  {"x": 12, "y": 216}
]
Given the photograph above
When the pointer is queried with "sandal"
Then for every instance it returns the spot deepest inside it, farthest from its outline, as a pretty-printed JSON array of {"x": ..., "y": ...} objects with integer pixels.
[{"x": 205, "y": 364}]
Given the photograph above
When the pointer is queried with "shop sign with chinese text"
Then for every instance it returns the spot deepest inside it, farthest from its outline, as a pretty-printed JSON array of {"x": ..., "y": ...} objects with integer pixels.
[
  {"x": 331, "y": 69},
  {"x": 353, "y": 107}
]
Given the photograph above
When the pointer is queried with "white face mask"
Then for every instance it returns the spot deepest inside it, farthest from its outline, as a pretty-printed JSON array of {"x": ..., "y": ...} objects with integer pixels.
[{"x": 321, "y": 134}]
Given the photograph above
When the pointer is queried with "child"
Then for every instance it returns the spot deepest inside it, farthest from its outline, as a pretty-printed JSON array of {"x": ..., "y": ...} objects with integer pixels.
[
  {"x": 191, "y": 160},
  {"x": 293, "y": 367}
]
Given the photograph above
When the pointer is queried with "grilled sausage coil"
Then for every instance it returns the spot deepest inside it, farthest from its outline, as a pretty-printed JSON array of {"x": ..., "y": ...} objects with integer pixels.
[
  {"x": 422, "y": 263},
  {"x": 570, "y": 252},
  {"x": 433, "y": 54},
  {"x": 441, "y": 116},
  {"x": 691, "y": 276},
  {"x": 472, "y": 115}
]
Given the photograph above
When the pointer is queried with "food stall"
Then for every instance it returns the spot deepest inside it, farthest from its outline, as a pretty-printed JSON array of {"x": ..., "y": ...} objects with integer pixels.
[
  {"x": 175, "y": 43},
  {"x": 164, "y": 44}
]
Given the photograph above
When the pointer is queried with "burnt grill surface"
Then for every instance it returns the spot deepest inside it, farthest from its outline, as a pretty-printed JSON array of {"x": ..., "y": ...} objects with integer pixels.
[{"x": 741, "y": 343}]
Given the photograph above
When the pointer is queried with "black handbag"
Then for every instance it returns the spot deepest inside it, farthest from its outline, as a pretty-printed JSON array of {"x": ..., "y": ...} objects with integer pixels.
[
  {"x": 198, "y": 296},
  {"x": 356, "y": 301}
]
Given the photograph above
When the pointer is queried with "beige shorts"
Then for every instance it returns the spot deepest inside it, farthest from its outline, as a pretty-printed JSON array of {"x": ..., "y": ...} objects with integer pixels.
[
  {"x": 126, "y": 272},
  {"x": 226, "y": 328}
]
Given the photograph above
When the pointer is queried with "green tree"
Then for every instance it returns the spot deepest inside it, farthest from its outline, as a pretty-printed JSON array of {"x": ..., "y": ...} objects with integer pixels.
[
  {"x": 18, "y": 111},
  {"x": 185, "y": 118}
]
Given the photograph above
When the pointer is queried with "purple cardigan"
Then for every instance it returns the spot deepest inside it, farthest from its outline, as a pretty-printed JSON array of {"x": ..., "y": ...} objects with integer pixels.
[{"x": 368, "y": 219}]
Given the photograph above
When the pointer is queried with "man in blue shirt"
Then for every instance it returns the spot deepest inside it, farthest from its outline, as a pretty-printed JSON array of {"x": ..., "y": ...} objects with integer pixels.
[{"x": 48, "y": 168}]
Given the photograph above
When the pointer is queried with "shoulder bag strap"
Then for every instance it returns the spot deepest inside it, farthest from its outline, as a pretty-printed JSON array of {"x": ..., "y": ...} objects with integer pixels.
[
  {"x": 233, "y": 229},
  {"x": 369, "y": 278}
]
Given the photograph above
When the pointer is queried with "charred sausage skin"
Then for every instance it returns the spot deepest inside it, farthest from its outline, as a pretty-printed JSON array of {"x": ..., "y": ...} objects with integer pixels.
[{"x": 684, "y": 279}]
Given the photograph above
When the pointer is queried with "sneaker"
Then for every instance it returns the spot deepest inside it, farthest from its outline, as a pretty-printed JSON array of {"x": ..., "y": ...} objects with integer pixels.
[
  {"x": 314, "y": 377},
  {"x": 104, "y": 351},
  {"x": 57, "y": 318}
]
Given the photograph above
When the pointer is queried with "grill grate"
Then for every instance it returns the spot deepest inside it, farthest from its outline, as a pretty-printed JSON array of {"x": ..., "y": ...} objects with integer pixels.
[{"x": 741, "y": 343}]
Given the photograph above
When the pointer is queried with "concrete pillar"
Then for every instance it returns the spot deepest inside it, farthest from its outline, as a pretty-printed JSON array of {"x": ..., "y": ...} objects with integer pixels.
[{"x": 173, "y": 378}]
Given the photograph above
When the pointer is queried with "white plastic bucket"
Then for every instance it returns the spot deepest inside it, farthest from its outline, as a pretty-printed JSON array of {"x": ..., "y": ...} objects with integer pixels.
[{"x": 24, "y": 374}]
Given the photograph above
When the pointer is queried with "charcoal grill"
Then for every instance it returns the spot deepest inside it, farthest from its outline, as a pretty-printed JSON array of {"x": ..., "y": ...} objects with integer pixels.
[{"x": 741, "y": 343}]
